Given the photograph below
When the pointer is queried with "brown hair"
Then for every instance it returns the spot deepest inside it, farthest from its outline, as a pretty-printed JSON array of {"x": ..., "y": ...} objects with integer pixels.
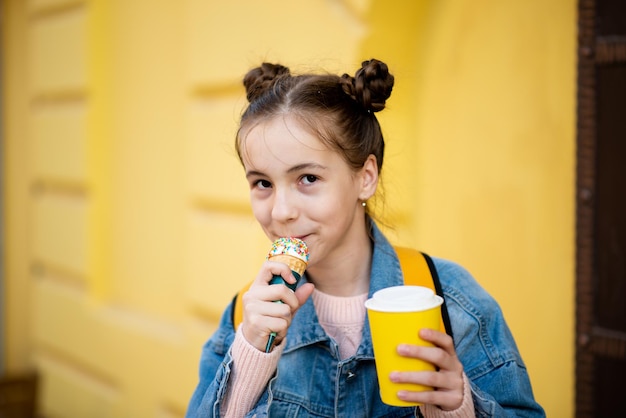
[{"x": 338, "y": 110}]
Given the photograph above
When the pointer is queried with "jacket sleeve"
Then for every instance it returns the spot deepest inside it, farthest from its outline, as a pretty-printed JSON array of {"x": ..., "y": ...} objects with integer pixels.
[
  {"x": 483, "y": 341},
  {"x": 505, "y": 392},
  {"x": 215, "y": 364}
]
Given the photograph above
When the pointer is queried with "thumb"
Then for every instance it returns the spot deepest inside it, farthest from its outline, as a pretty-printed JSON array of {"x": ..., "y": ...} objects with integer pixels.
[{"x": 303, "y": 292}]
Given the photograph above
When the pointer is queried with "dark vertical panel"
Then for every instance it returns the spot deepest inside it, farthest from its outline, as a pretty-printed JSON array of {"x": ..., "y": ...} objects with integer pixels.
[
  {"x": 585, "y": 175},
  {"x": 609, "y": 402},
  {"x": 610, "y": 219},
  {"x": 611, "y": 17},
  {"x": 601, "y": 209}
]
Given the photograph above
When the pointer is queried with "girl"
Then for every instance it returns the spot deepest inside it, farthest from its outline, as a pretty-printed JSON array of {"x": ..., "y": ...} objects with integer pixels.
[{"x": 312, "y": 150}]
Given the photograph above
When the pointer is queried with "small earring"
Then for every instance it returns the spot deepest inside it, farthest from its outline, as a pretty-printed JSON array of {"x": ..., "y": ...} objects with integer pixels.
[{"x": 363, "y": 203}]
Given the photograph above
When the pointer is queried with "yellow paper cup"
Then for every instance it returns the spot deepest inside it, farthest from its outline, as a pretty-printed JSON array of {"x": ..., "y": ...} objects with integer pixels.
[{"x": 396, "y": 314}]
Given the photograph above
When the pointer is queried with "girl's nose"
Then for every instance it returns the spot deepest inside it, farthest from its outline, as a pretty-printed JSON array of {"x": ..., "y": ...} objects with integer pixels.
[{"x": 284, "y": 208}]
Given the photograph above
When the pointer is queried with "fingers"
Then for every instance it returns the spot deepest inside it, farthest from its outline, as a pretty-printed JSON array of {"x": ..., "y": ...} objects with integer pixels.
[
  {"x": 262, "y": 289},
  {"x": 439, "y": 339},
  {"x": 446, "y": 400},
  {"x": 442, "y": 355},
  {"x": 262, "y": 318},
  {"x": 303, "y": 292},
  {"x": 264, "y": 304},
  {"x": 446, "y": 381},
  {"x": 447, "y": 387},
  {"x": 273, "y": 268},
  {"x": 269, "y": 307}
]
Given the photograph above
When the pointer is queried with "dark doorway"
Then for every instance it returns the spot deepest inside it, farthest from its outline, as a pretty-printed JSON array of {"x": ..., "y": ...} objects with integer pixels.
[{"x": 601, "y": 210}]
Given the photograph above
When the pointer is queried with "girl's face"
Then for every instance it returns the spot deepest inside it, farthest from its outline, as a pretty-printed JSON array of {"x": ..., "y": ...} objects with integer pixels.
[{"x": 300, "y": 188}]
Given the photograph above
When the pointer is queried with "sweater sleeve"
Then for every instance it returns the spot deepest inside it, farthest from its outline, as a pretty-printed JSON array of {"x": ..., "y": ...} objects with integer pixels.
[
  {"x": 466, "y": 410},
  {"x": 252, "y": 370}
]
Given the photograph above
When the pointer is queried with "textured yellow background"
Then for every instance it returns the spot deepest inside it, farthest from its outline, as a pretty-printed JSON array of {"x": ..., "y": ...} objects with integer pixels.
[{"x": 127, "y": 228}]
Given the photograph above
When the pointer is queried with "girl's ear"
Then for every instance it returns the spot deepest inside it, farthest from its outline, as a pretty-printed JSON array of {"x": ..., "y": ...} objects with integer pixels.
[{"x": 369, "y": 178}]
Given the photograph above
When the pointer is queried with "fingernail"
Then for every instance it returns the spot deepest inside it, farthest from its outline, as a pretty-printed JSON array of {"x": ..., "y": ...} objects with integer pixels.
[{"x": 403, "y": 349}]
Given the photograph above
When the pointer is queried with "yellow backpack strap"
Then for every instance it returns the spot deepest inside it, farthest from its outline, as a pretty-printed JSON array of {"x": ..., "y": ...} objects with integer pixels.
[
  {"x": 418, "y": 269},
  {"x": 414, "y": 268},
  {"x": 237, "y": 312}
]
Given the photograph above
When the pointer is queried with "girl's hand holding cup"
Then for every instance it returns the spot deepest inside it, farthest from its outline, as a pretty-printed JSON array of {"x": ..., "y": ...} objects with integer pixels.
[
  {"x": 413, "y": 361},
  {"x": 446, "y": 380}
]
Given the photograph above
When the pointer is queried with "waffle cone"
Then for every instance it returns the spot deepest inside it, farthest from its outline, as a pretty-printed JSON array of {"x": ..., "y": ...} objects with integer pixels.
[{"x": 294, "y": 263}]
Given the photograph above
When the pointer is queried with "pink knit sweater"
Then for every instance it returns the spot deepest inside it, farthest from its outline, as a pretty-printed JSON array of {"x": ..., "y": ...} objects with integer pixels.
[{"x": 342, "y": 318}]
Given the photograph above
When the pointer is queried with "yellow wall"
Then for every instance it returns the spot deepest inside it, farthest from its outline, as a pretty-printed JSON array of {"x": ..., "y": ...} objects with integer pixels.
[
  {"x": 489, "y": 145},
  {"x": 124, "y": 202}
]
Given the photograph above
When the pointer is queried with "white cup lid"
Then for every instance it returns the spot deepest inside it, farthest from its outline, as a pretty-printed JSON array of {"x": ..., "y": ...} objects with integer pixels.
[{"x": 403, "y": 299}]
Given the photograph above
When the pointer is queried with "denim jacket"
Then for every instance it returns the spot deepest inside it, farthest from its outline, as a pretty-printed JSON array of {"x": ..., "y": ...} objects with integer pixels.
[{"x": 312, "y": 381}]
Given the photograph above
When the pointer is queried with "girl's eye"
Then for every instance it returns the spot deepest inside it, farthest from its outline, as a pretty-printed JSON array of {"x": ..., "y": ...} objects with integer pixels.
[
  {"x": 263, "y": 184},
  {"x": 309, "y": 178}
]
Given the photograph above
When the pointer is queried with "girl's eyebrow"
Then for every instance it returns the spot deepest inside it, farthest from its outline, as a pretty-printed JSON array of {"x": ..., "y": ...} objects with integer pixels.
[
  {"x": 254, "y": 173},
  {"x": 294, "y": 169},
  {"x": 306, "y": 166}
]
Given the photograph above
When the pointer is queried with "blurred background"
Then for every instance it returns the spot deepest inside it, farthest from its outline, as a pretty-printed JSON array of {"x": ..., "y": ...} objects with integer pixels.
[{"x": 126, "y": 225}]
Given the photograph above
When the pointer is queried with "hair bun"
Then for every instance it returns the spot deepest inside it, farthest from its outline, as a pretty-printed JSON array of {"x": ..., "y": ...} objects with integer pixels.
[
  {"x": 371, "y": 85},
  {"x": 260, "y": 79}
]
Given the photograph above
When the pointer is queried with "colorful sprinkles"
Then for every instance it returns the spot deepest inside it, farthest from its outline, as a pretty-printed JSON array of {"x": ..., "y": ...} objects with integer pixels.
[{"x": 290, "y": 246}]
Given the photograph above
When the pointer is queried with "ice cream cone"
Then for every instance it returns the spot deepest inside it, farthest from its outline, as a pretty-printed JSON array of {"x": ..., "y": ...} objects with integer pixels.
[
  {"x": 290, "y": 251},
  {"x": 295, "y": 264}
]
